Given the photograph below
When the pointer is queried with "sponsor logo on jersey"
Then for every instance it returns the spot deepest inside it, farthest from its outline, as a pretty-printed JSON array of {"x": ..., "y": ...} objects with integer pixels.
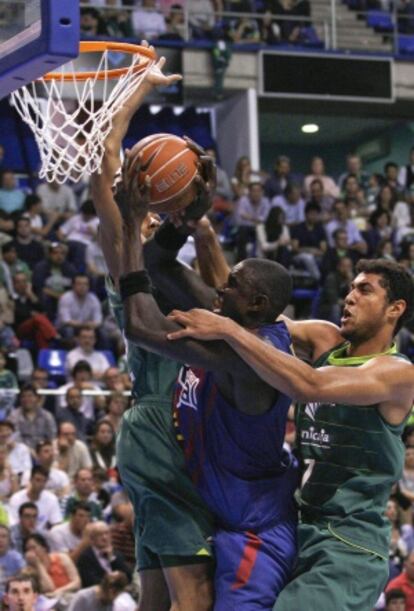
[
  {"x": 187, "y": 394},
  {"x": 315, "y": 437}
]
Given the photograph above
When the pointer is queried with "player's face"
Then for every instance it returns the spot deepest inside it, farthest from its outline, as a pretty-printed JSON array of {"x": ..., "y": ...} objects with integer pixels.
[
  {"x": 365, "y": 308},
  {"x": 21, "y": 596},
  {"x": 232, "y": 300}
]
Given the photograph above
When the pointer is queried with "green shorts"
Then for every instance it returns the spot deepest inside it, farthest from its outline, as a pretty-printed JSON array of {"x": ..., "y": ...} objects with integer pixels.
[
  {"x": 171, "y": 519},
  {"x": 331, "y": 574}
]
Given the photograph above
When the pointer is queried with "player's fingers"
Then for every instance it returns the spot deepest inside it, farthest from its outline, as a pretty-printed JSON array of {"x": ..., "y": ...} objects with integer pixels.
[
  {"x": 144, "y": 43},
  {"x": 161, "y": 63},
  {"x": 194, "y": 146},
  {"x": 179, "y": 334},
  {"x": 173, "y": 78}
]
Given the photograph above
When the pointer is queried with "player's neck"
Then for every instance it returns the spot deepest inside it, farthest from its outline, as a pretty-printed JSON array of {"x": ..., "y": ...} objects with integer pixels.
[{"x": 375, "y": 345}]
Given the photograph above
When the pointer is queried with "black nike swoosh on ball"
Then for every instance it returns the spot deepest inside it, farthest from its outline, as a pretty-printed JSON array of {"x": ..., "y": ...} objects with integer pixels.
[{"x": 147, "y": 164}]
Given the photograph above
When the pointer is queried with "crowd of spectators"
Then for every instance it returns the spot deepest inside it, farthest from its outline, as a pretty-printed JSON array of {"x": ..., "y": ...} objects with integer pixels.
[
  {"x": 65, "y": 521},
  {"x": 271, "y": 21}
]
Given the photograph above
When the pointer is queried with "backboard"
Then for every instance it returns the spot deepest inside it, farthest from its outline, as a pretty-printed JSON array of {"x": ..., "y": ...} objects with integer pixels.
[{"x": 36, "y": 36}]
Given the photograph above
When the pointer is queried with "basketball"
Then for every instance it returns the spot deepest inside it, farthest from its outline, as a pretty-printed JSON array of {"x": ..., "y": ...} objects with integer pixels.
[{"x": 172, "y": 167}]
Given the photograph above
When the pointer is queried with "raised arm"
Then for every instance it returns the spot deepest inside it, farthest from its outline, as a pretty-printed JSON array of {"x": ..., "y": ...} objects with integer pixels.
[
  {"x": 102, "y": 184},
  {"x": 312, "y": 337},
  {"x": 385, "y": 380}
]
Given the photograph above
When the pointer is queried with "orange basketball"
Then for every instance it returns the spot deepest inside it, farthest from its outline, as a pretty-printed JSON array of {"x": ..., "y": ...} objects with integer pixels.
[{"x": 172, "y": 167}]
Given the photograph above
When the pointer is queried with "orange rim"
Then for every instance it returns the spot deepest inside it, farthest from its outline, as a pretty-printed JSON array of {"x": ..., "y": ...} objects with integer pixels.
[{"x": 96, "y": 46}]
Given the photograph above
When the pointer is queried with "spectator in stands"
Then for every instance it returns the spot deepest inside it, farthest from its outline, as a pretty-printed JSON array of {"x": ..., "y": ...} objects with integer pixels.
[
  {"x": 26, "y": 525},
  {"x": 379, "y": 229},
  {"x": 68, "y": 536},
  {"x": 292, "y": 204},
  {"x": 405, "y": 582},
  {"x": 116, "y": 405},
  {"x": 389, "y": 200},
  {"x": 85, "y": 351},
  {"x": 78, "y": 308},
  {"x": 46, "y": 502},
  {"x": 118, "y": 23},
  {"x": 354, "y": 197},
  {"x": 385, "y": 250},
  {"x": 58, "y": 201},
  {"x": 114, "y": 381},
  {"x": 29, "y": 321},
  {"x": 40, "y": 380},
  {"x": 28, "y": 249},
  {"x": 395, "y": 600},
  {"x": 71, "y": 413},
  {"x": 10, "y": 266},
  {"x": 91, "y": 23},
  {"x": 52, "y": 277},
  {"x": 336, "y": 252},
  {"x": 21, "y": 593},
  {"x": 71, "y": 454},
  {"x": 175, "y": 24},
  {"x": 1, "y": 155},
  {"x": 354, "y": 166},
  {"x": 79, "y": 231},
  {"x": 201, "y": 18},
  {"x": 318, "y": 196},
  {"x": 11, "y": 561},
  {"x": 398, "y": 550},
  {"x": 9, "y": 482},
  {"x": 122, "y": 532},
  {"x": 8, "y": 387},
  {"x": 251, "y": 210},
  {"x": 290, "y": 29},
  {"x": 244, "y": 30},
  {"x": 243, "y": 177},
  {"x": 103, "y": 447},
  {"x": 8, "y": 340},
  {"x": 100, "y": 558},
  {"x": 19, "y": 457},
  {"x": 34, "y": 210},
  {"x": 273, "y": 237},
  {"x": 57, "y": 481},
  {"x": 406, "y": 173},
  {"x": 309, "y": 241},
  {"x": 406, "y": 483},
  {"x": 11, "y": 197},
  {"x": 280, "y": 178},
  {"x": 341, "y": 220},
  {"x": 334, "y": 290},
  {"x": 84, "y": 491},
  {"x": 147, "y": 21},
  {"x": 374, "y": 186},
  {"x": 108, "y": 594},
  {"x": 33, "y": 423},
  {"x": 391, "y": 172},
  {"x": 57, "y": 574},
  {"x": 82, "y": 380},
  {"x": 317, "y": 170}
]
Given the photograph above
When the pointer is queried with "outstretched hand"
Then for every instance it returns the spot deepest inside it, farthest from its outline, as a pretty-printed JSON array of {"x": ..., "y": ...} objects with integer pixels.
[
  {"x": 206, "y": 182},
  {"x": 157, "y": 78},
  {"x": 200, "y": 324}
]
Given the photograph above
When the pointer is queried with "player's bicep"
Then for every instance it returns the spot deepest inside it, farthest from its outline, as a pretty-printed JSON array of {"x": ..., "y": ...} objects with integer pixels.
[
  {"x": 314, "y": 337},
  {"x": 377, "y": 381}
]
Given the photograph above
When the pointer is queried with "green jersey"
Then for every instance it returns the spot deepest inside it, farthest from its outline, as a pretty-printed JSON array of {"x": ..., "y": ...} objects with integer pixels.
[
  {"x": 352, "y": 457},
  {"x": 153, "y": 377}
]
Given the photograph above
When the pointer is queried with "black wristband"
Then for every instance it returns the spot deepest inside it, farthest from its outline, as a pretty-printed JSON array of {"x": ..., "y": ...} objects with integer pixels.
[
  {"x": 169, "y": 237},
  {"x": 135, "y": 282}
]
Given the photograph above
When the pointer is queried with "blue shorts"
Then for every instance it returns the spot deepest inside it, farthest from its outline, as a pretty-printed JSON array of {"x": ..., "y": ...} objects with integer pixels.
[{"x": 251, "y": 569}]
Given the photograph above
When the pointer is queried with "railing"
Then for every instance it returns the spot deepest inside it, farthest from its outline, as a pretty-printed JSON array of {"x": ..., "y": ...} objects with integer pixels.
[
  {"x": 327, "y": 29},
  {"x": 223, "y": 19}
]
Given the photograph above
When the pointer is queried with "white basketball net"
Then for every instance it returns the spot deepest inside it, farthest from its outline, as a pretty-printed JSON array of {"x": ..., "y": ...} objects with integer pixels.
[{"x": 70, "y": 134}]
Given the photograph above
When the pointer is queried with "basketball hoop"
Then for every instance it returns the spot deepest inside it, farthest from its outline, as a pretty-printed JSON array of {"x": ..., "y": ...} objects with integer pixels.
[{"x": 71, "y": 139}]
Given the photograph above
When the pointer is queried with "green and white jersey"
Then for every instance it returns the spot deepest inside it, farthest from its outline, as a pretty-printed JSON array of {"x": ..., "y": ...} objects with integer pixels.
[
  {"x": 153, "y": 377},
  {"x": 351, "y": 458}
]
